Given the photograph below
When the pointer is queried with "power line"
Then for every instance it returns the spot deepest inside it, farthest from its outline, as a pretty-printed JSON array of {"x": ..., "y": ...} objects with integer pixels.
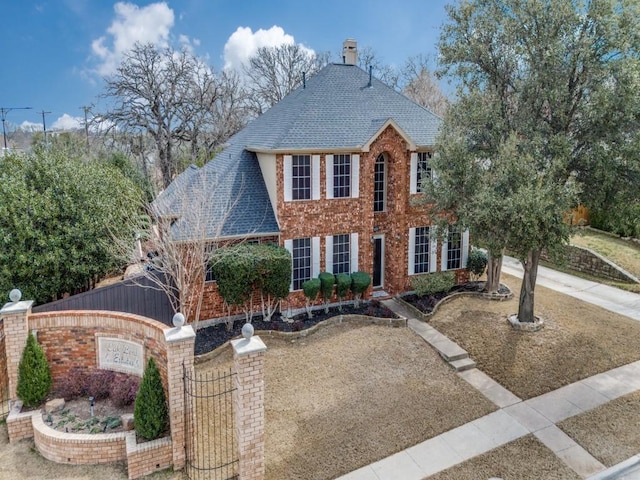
[{"x": 3, "y": 114}]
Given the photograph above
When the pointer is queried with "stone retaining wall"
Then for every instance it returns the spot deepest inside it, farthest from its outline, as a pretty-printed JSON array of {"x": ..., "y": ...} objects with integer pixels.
[{"x": 587, "y": 261}]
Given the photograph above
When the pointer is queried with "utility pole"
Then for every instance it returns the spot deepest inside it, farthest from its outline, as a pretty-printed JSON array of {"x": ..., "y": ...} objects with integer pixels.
[
  {"x": 3, "y": 114},
  {"x": 86, "y": 124},
  {"x": 44, "y": 126}
]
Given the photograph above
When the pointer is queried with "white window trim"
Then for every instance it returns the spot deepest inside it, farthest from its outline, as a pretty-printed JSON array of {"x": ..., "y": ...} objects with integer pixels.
[
  {"x": 355, "y": 176},
  {"x": 315, "y": 257},
  {"x": 353, "y": 252},
  {"x": 315, "y": 178},
  {"x": 464, "y": 253},
  {"x": 414, "y": 173},
  {"x": 433, "y": 250}
]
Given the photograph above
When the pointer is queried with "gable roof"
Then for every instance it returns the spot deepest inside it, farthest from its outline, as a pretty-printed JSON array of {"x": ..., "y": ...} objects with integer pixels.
[{"x": 337, "y": 110}]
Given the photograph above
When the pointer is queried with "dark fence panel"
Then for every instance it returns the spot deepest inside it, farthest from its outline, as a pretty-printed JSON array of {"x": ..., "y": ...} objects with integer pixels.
[{"x": 139, "y": 295}]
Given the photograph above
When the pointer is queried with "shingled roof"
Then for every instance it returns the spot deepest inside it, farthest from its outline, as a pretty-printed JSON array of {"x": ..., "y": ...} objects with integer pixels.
[{"x": 337, "y": 109}]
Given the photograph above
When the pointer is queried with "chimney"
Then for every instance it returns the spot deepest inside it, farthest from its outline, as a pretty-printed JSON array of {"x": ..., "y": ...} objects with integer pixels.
[{"x": 350, "y": 52}]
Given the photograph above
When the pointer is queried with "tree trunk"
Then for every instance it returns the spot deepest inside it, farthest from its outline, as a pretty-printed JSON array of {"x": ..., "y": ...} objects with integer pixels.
[
  {"x": 494, "y": 267},
  {"x": 526, "y": 304}
]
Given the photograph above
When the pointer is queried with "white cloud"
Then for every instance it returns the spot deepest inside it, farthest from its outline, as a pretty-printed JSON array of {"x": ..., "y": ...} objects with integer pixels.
[
  {"x": 67, "y": 122},
  {"x": 149, "y": 24},
  {"x": 243, "y": 43},
  {"x": 28, "y": 126}
]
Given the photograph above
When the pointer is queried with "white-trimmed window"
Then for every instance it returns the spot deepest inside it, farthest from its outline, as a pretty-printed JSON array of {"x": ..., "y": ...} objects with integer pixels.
[
  {"x": 304, "y": 260},
  {"x": 420, "y": 170},
  {"x": 208, "y": 270},
  {"x": 422, "y": 250},
  {"x": 380, "y": 184},
  {"x": 342, "y": 253},
  {"x": 455, "y": 249},
  {"x": 343, "y": 173},
  {"x": 301, "y": 177}
]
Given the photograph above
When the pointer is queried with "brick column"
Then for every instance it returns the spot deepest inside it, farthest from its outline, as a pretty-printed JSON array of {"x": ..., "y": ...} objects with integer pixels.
[
  {"x": 180, "y": 342},
  {"x": 15, "y": 316},
  {"x": 248, "y": 358}
]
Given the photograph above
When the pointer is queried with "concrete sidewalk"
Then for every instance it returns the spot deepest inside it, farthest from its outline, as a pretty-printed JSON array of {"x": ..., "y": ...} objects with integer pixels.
[{"x": 610, "y": 298}]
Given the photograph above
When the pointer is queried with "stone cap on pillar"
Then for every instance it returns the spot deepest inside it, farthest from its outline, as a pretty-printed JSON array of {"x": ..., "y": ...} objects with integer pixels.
[
  {"x": 12, "y": 308},
  {"x": 249, "y": 344}
]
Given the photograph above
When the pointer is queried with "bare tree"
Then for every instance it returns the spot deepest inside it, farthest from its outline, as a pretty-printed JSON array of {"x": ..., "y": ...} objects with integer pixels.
[
  {"x": 273, "y": 72},
  {"x": 176, "y": 99},
  {"x": 421, "y": 86},
  {"x": 367, "y": 57},
  {"x": 183, "y": 228}
]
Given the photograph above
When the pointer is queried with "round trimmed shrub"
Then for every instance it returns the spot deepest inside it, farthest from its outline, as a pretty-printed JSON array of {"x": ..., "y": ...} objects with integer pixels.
[
  {"x": 34, "y": 375},
  {"x": 360, "y": 281},
  {"x": 150, "y": 414},
  {"x": 311, "y": 288},
  {"x": 343, "y": 284},
  {"x": 477, "y": 262}
]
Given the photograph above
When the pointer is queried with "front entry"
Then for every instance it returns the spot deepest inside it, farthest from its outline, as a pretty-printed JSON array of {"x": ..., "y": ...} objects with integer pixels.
[{"x": 378, "y": 261}]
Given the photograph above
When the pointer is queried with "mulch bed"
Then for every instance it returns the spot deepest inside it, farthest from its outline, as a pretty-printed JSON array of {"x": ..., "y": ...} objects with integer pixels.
[
  {"x": 210, "y": 338},
  {"x": 427, "y": 303}
]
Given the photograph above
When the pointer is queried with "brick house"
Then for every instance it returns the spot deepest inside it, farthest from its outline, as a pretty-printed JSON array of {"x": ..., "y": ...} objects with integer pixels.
[{"x": 329, "y": 173}]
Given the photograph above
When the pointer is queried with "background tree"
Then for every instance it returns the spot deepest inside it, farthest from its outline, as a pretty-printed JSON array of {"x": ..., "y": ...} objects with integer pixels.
[
  {"x": 421, "y": 86},
  {"x": 548, "y": 85},
  {"x": 273, "y": 72},
  {"x": 57, "y": 215},
  {"x": 176, "y": 99}
]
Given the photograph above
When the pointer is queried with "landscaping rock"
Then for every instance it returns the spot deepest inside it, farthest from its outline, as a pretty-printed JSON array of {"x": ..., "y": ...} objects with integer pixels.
[
  {"x": 55, "y": 405},
  {"x": 127, "y": 421}
]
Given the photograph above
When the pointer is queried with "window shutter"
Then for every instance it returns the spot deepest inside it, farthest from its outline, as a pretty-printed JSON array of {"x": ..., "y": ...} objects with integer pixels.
[
  {"x": 287, "y": 178},
  {"x": 445, "y": 249},
  {"x": 329, "y": 164},
  {"x": 315, "y": 257},
  {"x": 328, "y": 261},
  {"x": 414, "y": 173},
  {"x": 355, "y": 176},
  {"x": 288, "y": 244},
  {"x": 315, "y": 177},
  {"x": 465, "y": 248},
  {"x": 412, "y": 251},
  {"x": 433, "y": 254},
  {"x": 354, "y": 252}
]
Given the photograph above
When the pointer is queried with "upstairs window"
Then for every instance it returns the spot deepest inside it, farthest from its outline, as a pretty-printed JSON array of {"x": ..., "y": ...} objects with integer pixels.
[
  {"x": 301, "y": 177},
  {"x": 342, "y": 174},
  {"x": 379, "y": 184},
  {"x": 420, "y": 170}
]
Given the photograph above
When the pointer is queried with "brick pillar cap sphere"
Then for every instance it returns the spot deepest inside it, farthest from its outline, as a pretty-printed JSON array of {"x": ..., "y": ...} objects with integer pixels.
[{"x": 248, "y": 346}]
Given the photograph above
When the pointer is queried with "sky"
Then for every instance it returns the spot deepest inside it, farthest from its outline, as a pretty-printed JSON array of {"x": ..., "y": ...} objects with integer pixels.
[{"x": 57, "y": 53}]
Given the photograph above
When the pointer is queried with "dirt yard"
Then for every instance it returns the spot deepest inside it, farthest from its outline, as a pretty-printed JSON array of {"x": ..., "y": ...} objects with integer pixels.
[
  {"x": 578, "y": 340},
  {"x": 349, "y": 395}
]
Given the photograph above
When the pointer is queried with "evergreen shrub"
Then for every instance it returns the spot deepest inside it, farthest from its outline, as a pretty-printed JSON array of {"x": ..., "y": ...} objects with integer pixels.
[
  {"x": 34, "y": 375},
  {"x": 151, "y": 414},
  {"x": 433, "y": 283}
]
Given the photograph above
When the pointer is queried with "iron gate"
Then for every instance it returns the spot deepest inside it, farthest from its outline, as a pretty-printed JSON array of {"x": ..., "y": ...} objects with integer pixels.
[{"x": 210, "y": 426}]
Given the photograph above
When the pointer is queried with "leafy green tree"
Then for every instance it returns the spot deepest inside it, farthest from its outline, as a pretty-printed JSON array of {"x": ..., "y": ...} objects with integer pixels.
[
  {"x": 273, "y": 265},
  {"x": 151, "y": 414},
  {"x": 311, "y": 288},
  {"x": 326, "y": 288},
  {"x": 34, "y": 376},
  {"x": 546, "y": 91},
  {"x": 58, "y": 216}
]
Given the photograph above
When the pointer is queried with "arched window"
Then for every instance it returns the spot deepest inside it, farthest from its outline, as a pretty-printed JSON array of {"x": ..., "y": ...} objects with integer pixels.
[{"x": 380, "y": 184}]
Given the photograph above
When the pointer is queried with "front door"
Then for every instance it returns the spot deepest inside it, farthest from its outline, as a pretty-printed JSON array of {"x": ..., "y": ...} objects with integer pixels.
[{"x": 378, "y": 261}]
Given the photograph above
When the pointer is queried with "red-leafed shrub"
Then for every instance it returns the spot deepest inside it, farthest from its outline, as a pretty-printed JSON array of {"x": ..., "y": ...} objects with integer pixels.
[
  {"x": 124, "y": 390},
  {"x": 73, "y": 384},
  {"x": 99, "y": 383}
]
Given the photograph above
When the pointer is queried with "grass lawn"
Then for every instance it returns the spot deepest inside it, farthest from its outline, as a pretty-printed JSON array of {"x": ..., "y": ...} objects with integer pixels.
[
  {"x": 523, "y": 459},
  {"x": 578, "y": 340},
  {"x": 610, "y": 432},
  {"x": 624, "y": 253},
  {"x": 349, "y": 395}
]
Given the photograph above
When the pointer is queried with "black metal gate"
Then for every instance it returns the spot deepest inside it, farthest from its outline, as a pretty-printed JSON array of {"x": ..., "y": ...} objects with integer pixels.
[{"x": 210, "y": 425}]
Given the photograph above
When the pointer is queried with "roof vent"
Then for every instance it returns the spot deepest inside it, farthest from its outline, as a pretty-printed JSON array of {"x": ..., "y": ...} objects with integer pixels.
[{"x": 350, "y": 52}]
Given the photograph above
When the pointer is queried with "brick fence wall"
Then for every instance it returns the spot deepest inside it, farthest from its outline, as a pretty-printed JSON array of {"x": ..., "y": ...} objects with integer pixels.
[{"x": 70, "y": 339}]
